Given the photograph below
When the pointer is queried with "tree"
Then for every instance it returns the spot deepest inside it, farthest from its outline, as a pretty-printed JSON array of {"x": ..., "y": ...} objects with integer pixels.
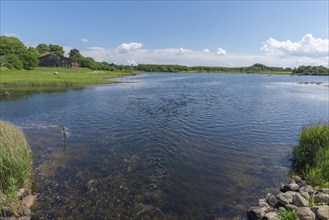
[
  {"x": 56, "y": 49},
  {"x": 29, "y": 60},
  {"x": 42, "y": 48},
  {"x": 11, "y": 45},
  {"x": 74, "y": 53},
  {"x": 12, "y": 61}
]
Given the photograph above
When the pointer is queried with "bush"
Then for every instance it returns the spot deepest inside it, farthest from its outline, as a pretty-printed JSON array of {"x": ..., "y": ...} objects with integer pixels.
[{"x": 15, "y": 162}]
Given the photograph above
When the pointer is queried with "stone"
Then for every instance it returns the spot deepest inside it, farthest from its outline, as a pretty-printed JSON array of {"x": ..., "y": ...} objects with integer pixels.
[
  {"x": 6, "y": 211},
  {"x": 285, "y": 198},
  {"x": 92, "y": 185},
  {"x": 306, "y": 188},
  {"x": 323, "y": 212},
  {"x": 293, "y": 187},
  {"x": 271, "y": 216},
  {"x": 321, "y": 197},
  {"x": 284, "y": 188},
  {"x": 25, "y": 218},
  {"x": 291, "y": 207},
  {"x": 292, "y": 181},
  {"x": 314, "y": 208},
  {"x": 263, "y": 203},
  {"x": 11, "y": 217},
  {"x": 300, "y": 201},
  {"x": 24, "y": 211},
  {"x": 296, "y": 178},
  {"x": 28, "y": 201},
  {"x": 305, "y": 195},
  {"x": 22, "y": 193},
  {"x": 306, "y": 213},
  {"x": 324, "y": 190},
  {"x": 302, "y": 183},
  {"x": 271, "y": 200},
  {"x": 255, "y": 213}
]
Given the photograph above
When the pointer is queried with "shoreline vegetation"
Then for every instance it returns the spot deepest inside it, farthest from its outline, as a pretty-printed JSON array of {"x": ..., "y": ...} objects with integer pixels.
[
  {"x": 306, "y": 196},
  {"x": 15, "y": 169}
]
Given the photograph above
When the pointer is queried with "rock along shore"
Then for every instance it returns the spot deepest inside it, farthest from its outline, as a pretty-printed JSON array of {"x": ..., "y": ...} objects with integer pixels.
[
  {"x": 23, "y": 212},
  {"x": 309, "y": 203}
]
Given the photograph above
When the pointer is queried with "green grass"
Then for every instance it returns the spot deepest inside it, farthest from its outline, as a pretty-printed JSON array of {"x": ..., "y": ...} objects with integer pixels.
[
  {"x": 64, "y": 77},
  {"x": 318, "y": 175},
  {"x": 288, "y": 215},
  {"x": 310, "y": 156},
  {"x": 15, "y": 162}
]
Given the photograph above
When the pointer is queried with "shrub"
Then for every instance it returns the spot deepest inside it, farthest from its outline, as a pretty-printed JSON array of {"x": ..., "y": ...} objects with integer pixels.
[{"x": 15, "y": 161}]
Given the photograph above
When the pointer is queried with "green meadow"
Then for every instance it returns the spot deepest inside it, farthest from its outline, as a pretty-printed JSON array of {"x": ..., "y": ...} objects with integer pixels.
[{"x": 40, "y": 77}]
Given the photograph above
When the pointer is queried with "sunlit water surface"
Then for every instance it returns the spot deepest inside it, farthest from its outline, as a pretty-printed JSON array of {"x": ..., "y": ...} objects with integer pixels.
[{"x": 165, "y": 146}]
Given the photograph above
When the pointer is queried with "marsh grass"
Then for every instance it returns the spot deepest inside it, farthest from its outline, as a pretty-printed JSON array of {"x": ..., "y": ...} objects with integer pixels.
[
  {"x": 15, "y": 162},
  {"x": 288, "y": 215},
  {"x": 310, "y": 156}
]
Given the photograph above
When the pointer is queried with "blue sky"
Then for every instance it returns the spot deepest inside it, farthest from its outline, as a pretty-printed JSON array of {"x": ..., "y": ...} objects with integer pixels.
[{"x": 219, "y": 33}]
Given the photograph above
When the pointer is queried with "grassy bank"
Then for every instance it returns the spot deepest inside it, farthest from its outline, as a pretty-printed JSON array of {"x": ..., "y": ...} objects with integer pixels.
[
  {"x": 310, "y": 157},
  {"x": 15, "y": 162},
  {"x": 57, "y": 77}
]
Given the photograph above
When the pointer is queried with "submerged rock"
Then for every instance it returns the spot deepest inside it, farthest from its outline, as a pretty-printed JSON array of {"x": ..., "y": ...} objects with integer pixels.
[
  {"x": 271, "y": 200},
  {"x": 28, "y": 201},
  {"x": 271, "y": 216},
  {"x": 6, "y": 211},
  {"x": 256, "y": 212}
]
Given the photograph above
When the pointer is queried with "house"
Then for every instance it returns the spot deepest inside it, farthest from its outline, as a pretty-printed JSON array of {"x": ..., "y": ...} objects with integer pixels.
[{"x": 55, "y": 60}]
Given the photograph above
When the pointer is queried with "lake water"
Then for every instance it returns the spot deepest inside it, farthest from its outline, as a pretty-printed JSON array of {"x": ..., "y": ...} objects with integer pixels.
[{"x": 165, "y": 146}]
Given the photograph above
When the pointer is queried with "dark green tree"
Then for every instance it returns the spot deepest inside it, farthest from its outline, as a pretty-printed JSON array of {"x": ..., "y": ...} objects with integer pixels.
[
  {"x": 11, "y": 45},
  {"x": 56, "y": 49},
  {"x": 29, "y": 59},
  {"x": 43, "y": 48},
  {"x": 12, "y": 61}
]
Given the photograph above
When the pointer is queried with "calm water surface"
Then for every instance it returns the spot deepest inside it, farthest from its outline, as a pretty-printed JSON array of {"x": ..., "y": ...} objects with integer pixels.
[{"x": 165, "y": 146}]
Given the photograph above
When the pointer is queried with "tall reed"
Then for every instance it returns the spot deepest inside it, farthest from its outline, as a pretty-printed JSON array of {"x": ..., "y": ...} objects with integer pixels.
[{"x": 15, "y": 162}]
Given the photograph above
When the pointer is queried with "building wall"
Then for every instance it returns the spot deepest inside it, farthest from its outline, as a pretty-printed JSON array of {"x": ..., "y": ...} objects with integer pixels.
[{"x": 54, "y": 60}]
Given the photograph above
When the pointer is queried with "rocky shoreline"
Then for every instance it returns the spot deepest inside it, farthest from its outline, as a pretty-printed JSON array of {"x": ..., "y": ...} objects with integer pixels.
[
  {"x": 309, "y": 203},
  {"x": 22, "y": 209}
]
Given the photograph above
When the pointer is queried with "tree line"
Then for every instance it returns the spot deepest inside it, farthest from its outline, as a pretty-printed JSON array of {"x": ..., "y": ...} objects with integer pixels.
[
  {"x": 256, "y": 68},
  {"x": 311, "y": 70},
  {"x": 15, "y": 55}
]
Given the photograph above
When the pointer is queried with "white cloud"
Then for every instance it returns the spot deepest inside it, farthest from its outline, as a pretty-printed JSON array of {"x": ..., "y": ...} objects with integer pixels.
[
  {"x": 206, "y": 51},
  {"x": 9, "y": 34},
  {"x": 128, "y": 47},
  {"x": 221, "y": 51},
  {"x": 308, "y": 46},
  {"x": 84, "y": 40},
  {"x": 310, "y": 51}
]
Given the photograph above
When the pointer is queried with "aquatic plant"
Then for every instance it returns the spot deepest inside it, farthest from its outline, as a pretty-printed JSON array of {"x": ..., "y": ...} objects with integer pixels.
[{"x": 15, "y": 162}]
